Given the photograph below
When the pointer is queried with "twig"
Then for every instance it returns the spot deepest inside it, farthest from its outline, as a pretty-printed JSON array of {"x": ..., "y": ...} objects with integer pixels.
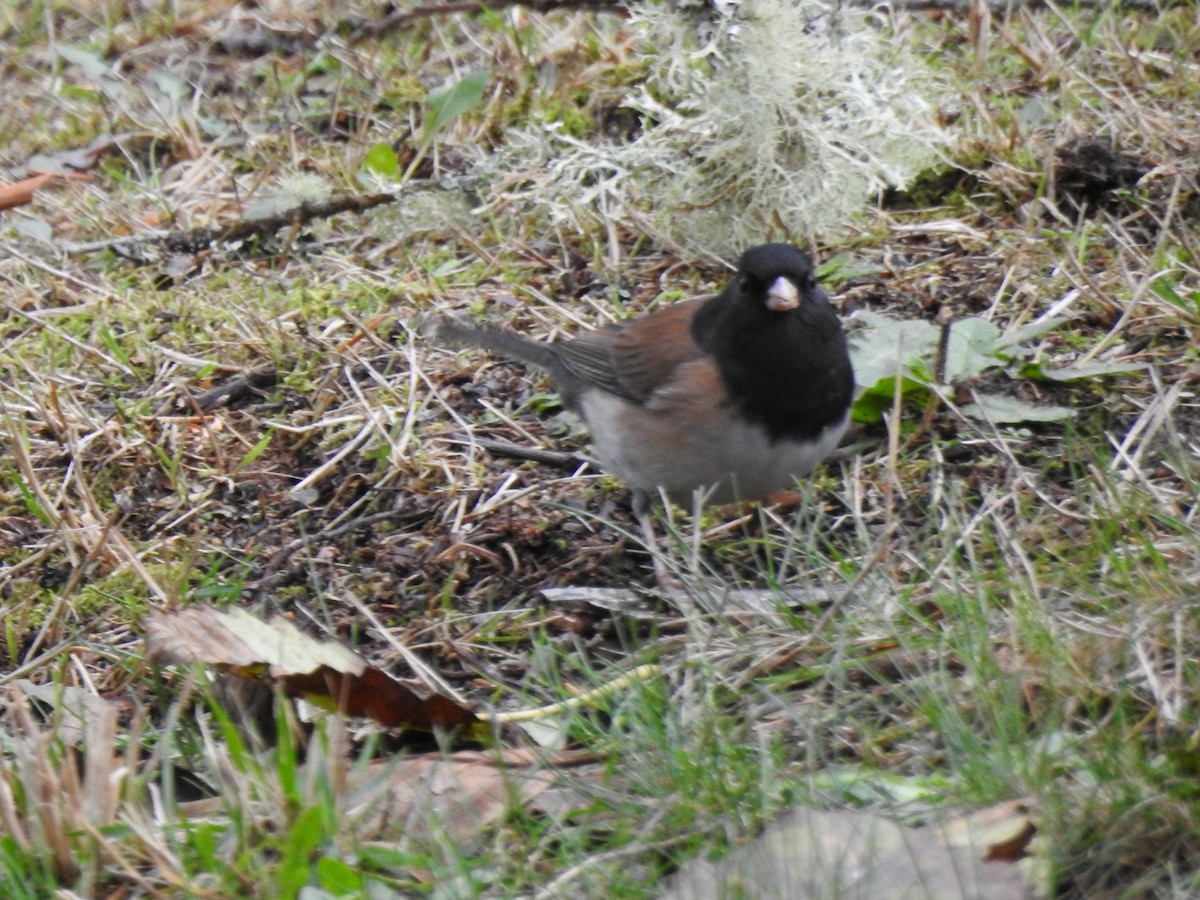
[
  {"x": 360, "y": 31},
  {"x": 944, "y": 321},
  {"x": 253, "y": 384},
  {"x": 1004, "y": 6},
  {"x": 200, "y": 238},
  {"x": 196, "y": 239},
  {"x": 558, "y": 458}
]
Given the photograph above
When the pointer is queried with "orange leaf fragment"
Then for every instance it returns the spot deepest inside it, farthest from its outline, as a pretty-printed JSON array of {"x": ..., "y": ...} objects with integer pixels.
[{"x": 20, "y": 193}]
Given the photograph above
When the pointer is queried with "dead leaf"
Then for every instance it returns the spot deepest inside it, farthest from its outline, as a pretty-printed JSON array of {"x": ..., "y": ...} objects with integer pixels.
[
  {"x": 324, "y": 673},
  {"x": 460, "y": 794},
  {"x": 452, "y": 797},
  {"x": 179, "y": 268},
  {"x": 1004, "y": 831},
  {"x": 20, "y": 193},
  {"x": 850, "y": 854},
  {"x": 629, "y": 602},
  {"x": 73, "y": 706},
  {"x": 76, "y": 159}
]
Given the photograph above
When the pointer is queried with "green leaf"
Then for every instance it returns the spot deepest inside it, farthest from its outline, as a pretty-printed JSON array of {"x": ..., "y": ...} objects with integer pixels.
[
  {"x": 172, "y": 86},
  {"x": 1166, "y": 290},
  {"x": 1033, "y": 113},
  {"x": 297, "y": 846},
  {"x": 1079, "y": 371},
  {"x": 381, "y": 160},
  {"x": 872, "y": 786},
  {"x": 204, "y": 839},
  {"x": 75, "y": 92},
  {"x": 256, "y": 451},
  {"x": 109, "y": 340},
  {"x": 30, "y": 498},
  {"x": 1001, "y": 410},
  {"x": 843, "y": 267},
  {"x": 338, "y": 878},
  {"x": 35, "y": 227},
  {"x": 545, "y": 404},
  {"x": 1027, "y": 333},
  {"x": 971, "y": 349},
  {"x": 876, "y": 400},
  {"x": 888, "y": 347},
  {"x": 448, "y": 103},
  {"x": 323, "y": 64},
  {"x": 447, "y": 268},
  {"x": 97, "y": 71}
]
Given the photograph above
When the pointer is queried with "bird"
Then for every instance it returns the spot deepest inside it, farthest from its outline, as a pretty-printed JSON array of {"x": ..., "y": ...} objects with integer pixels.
[{"x": 734, "y": 395}]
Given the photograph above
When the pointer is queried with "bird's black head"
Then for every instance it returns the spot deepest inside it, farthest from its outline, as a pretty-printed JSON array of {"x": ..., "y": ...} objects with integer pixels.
[
  {"x": 779, "y": 276},
  {"x": 778, "y": 343}
]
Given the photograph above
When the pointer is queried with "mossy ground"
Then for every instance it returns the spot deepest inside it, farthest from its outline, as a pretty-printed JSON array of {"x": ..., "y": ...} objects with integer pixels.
[{"x": 1023, "y": 620}]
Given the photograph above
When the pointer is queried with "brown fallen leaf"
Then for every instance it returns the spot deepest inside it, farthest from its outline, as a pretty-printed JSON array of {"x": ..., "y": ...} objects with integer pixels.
[
  {"x": 459, "y": 794},
  {"x": 819, "y": 854},
  {"x": 324, "y": 673},
  {"x": 431, "y": 796},
  {"x": 1003, "y": 831}
]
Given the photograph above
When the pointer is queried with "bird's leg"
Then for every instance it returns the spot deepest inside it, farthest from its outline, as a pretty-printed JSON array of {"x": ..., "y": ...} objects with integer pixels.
[{"x": 663, "y": 578}]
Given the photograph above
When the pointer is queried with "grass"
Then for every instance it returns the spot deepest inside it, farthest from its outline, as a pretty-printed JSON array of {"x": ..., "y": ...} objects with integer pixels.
[{"x": 1014, "y": 612}]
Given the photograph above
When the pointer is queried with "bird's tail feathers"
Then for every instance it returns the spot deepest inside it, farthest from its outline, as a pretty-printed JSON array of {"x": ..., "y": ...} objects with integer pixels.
[{"x": 503, "y": 342}]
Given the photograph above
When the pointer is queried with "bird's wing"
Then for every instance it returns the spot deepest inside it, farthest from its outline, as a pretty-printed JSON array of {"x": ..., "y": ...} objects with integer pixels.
[
  {"x": 634, "y": 359},
  {"x": 589, "y": 363}
]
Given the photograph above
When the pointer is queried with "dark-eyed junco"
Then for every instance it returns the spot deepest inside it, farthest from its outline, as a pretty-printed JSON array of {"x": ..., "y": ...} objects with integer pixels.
[{"x": 740, "y": 393}]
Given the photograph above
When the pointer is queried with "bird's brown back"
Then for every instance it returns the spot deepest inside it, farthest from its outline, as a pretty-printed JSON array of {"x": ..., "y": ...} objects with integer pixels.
[{"x": 636, "y": 358}]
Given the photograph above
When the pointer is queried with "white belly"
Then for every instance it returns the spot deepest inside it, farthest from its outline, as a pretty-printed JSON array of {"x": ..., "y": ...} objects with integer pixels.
[{"x": 734, "y": 458}]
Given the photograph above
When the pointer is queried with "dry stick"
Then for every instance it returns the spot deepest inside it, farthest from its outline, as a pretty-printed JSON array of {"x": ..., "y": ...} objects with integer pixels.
[
  {"x": 561, "y": 459},
  {"x": 199, "y": 238},
  {"x": 195, "y": 240},
  {"x": 360, "y": 31},
  {"x": 944, "y": 320},
  {"x": 402, "y": 17},
  {"x": 253, "y": 384},
  {"x": 1005, "y": 6}
]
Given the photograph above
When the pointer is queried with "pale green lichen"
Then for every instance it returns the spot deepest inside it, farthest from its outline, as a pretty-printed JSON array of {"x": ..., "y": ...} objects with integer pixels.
[{"x": 782, "y": 120}]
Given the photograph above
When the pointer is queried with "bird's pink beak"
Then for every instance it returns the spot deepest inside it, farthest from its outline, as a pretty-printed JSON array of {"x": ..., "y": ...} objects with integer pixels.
[{"x": 782, "y": 295}]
